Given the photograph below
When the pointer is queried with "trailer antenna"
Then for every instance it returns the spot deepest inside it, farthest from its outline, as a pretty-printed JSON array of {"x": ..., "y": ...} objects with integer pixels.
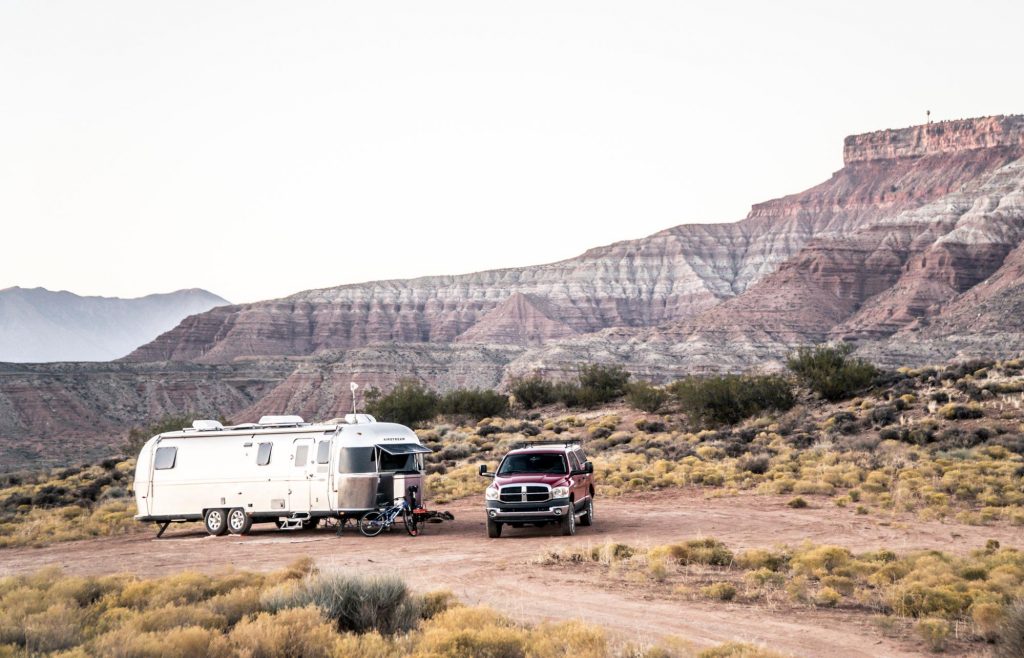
[{"x": 353, "y": 386}]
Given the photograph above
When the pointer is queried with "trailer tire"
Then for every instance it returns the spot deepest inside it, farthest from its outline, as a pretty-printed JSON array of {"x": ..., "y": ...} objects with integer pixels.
[
  {"x": 239, "y": 523},
  {"x": 216, "y": 521},
  {"x": 493, "y": 529}
]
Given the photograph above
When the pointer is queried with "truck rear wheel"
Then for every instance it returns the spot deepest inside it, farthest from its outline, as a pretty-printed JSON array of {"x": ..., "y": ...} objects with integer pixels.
[
  {"x": 493, "y": 529},
  {"x": 216, "y": 521},
  {"x": 239, "y": 523},
  {"x": 568, "y": 523}
]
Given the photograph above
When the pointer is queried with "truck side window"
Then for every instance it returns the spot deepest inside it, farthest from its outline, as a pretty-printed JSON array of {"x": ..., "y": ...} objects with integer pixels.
[
  {"x": 323, "y": 452},
  {"x": 301, "y": 455},
  {"x": 574, "y": 462},
  {"x": 263, "y": 454},
  {"x": 165, "y": 458}
]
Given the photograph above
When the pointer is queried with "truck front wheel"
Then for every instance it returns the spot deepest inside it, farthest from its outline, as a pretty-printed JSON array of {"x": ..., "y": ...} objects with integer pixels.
[
  {"x": 587, "y": 518},
  {"x": 493, "y": 529},
  {"x": 568, "y": 523}
]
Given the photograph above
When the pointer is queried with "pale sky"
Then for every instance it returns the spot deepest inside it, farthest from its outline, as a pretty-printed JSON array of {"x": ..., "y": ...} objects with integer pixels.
[{"x": 256, "y": 149}]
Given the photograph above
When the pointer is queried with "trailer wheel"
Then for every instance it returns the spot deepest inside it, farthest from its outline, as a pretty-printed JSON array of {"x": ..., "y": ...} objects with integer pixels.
[
  {"x": 216, "y": 521},
  {"x": 239, "y": 522}
]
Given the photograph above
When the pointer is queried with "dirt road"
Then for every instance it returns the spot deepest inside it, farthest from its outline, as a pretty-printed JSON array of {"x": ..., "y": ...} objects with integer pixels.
[{"x": 501, "y": 573}]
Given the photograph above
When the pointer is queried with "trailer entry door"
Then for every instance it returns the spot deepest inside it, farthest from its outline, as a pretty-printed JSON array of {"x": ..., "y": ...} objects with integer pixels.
[{"x": 303, "y": 469}]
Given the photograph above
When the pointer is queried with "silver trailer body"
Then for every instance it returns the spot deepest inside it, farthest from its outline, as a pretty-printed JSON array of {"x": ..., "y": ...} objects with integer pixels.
[{"x": 276, "y": 470}]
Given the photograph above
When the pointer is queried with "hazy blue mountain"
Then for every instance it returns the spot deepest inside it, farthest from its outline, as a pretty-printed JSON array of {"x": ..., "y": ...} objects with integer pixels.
[{"x": 38, "y": 325}]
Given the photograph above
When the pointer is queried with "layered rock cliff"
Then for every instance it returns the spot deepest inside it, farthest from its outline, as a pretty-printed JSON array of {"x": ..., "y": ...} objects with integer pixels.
[{"x": 669, "y": 277}]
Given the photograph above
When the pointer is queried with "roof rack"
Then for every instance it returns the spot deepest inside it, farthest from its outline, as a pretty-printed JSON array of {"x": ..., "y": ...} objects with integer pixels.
[{"x": 533, "y": 444}]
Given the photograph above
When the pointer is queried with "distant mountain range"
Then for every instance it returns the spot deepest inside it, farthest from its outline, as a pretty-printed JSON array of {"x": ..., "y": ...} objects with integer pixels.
[{"x": 40, "y": 325}]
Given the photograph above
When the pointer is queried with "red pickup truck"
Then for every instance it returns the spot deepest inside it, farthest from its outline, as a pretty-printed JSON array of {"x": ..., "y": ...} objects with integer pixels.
[{"x": 539, "y": 483}]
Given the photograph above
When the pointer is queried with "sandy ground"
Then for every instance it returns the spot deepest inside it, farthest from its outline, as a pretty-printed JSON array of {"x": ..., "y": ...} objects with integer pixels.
[{"x": 502, "y": 573}]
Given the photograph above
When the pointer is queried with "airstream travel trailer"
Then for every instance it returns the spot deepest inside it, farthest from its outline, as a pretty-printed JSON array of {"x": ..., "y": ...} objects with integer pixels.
[{"x": 281, "y": 469}]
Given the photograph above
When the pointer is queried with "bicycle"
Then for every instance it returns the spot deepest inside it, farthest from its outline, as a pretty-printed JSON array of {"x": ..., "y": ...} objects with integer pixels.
[{"x": 374, "y": 522}]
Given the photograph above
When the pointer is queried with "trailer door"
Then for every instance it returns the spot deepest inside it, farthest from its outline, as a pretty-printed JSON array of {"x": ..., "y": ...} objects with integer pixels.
[{"x": 303, "y": 470}]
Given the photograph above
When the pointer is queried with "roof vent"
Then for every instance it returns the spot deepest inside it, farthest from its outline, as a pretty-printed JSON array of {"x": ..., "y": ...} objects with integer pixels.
[
  {"x": 357, "y": 419},
  {"x": 281, "y": 420},
  {"x": 206, "y": 425}
]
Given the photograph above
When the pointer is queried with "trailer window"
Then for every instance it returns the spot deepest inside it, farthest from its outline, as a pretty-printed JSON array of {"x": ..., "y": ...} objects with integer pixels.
[
  {"x": 323, "y": 452},
  {"x": 356, "y": 460},
  {"x": 301, "y": 455},
  {"x": 263, "y": 454},
  {"x": 407, "y": 463},
  {"x": 165, "y": 458}
]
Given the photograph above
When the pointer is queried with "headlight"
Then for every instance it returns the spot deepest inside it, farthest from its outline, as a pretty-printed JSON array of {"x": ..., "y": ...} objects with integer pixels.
[
  {"x": 560, "y": 492},
  {"x": 491, "y": 493}
]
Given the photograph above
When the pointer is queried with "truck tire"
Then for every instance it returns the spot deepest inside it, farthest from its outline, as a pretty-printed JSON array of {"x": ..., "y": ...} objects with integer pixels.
[
  {"x": 568, "y": 523},
  {"x": 587, "y": 518},
  {"x": 493, "y": 529},
  {"x": 239, "y": 523},
  {"x": 216, "y": 521}
]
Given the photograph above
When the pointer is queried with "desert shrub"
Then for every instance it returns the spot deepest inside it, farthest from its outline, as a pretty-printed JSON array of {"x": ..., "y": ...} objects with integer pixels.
[
  {"x": 934, "y": 632},
  {"x": 830, "y": 371},
  {"x": 468, "y": 632},
  {"x": 295, "y": 633},
  {"x": 1011, "y": 633},
  {"x": 756, "y": 464},
  {"x": 185, "y": 642},
  {"x": 884, "y": 414},
  {"x": 699, "y": 551},
  {"x": 728, "y": 399},
  {"x": 956, "y": 411},
  {"x": 738, "y": 650},
  {"x": 354, "y": 603},
  {"x": 408, "y": 403},
  {"x": 720, "y": 591},
  {"x": 797, "y": 503},
  {"x": 602, "y": 384},
  {"x": 533, "y": 392},
  {"x": 644, "y": 396},
  {"x": 650, "y": 426},
  {"x": 474, "y": 403}
]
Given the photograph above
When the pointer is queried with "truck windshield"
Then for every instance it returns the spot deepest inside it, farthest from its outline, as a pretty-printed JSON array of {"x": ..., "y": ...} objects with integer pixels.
[{"x": 543, "y": 462}]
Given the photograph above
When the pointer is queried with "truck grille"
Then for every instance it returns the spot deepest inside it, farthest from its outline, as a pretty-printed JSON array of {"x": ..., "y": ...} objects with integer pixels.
[{"x": 525, "y": 493}]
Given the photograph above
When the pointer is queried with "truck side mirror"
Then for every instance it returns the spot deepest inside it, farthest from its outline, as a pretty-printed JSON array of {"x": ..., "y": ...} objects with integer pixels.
[
  {"x": 483, "y": 469},
  {"x": 588, "y": 467}
]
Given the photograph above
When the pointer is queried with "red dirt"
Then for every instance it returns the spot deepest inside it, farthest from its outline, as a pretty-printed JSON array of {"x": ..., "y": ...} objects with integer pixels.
[{"x": 501, "y": 573}]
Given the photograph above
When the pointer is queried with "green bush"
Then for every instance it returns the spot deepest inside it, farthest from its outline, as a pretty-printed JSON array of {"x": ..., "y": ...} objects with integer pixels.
[
  {"x": 602, "y": 384},
  {"x": 409, "y": 402},
  {"x": 830, "y": 371},
  {"x": 534, "y": 391},
  {"x": 474, "y": 403},
  {"x": 357, "y": 604},
  {"x": 728, "y": 399},
  {"x": 644, "y": 396}
]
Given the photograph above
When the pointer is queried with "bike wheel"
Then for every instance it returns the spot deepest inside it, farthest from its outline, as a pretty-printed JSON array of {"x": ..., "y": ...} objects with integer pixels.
[
  {"x": 371, "y": 524},
  {"x": 411, "y": 525}
]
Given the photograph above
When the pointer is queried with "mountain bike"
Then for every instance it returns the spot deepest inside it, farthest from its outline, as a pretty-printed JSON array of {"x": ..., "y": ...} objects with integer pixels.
[{"x": 373, "y": 523}]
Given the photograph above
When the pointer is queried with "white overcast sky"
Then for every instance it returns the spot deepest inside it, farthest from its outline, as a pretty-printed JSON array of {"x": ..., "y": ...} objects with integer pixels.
[{"x": 256, "y": 149}]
